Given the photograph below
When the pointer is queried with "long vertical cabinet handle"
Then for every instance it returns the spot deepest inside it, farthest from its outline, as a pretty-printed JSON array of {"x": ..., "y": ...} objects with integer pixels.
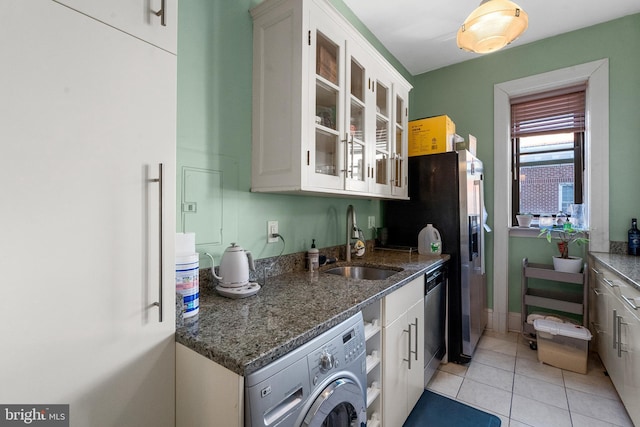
[
  {"x": 162, "y": 13},
  {"x": 409, "y": 351},
  {"x": 393, "y": 170},
  {"x": 161, "y": 243},
  {"x": 416, "y": 352},
  {"x": 615, "y": 323},
  {"x": 345, "y": 152},
  {"x": 620, "y": 323},
  {"x": 349, "y": 157}
]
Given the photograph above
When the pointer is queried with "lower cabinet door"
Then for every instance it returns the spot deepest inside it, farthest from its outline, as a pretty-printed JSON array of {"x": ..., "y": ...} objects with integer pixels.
[
  {"x": 415, "y": 380},
  {"x": 403, "y": 364},
  {"x": 616, "y": 355},
  {"x": 630, "y": 337},
  {"x": 395, "y": 372},
  {"x": 602, "y": 321}
]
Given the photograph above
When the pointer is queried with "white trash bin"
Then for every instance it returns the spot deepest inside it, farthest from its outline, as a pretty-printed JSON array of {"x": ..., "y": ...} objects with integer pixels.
[{"x": 563, "y": 345}]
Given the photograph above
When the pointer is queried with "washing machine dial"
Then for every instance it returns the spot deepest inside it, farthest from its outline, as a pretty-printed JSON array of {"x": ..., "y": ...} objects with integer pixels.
[{"x": 327, "y": 361}]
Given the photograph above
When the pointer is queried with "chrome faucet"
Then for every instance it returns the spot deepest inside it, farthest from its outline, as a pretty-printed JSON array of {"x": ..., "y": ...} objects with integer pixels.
[{"x": 353, "y": 232}]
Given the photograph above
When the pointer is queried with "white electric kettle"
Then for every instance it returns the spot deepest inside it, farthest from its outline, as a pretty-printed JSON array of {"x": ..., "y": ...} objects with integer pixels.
[{"x": 234, "y": 267}]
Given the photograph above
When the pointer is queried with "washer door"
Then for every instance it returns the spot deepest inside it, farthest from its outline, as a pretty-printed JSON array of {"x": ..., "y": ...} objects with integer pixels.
[{"x": 341, "y": 404}]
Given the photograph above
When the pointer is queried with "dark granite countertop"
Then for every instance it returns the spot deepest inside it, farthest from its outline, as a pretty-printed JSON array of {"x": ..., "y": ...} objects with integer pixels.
[
  {"x": 244, "y": 335},
  {"x": 626, "y": 266}
]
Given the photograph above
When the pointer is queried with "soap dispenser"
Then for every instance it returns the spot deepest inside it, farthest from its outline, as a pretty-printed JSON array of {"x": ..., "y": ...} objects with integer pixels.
[{"x": 313, "y": 257}]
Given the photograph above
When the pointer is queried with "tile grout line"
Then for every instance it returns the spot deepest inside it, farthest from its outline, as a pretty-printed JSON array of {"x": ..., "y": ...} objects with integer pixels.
[
  {"x": 519, "y": 355},
  {"x": 566, "y": 396}
]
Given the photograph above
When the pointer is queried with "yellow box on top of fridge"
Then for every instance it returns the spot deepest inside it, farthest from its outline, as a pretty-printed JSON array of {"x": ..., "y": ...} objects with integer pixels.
[{"x": 431, "y": 135}]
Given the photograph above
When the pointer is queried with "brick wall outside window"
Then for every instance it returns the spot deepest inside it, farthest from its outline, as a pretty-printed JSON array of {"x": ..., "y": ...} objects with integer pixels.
[{"x": 539, "y": 186}]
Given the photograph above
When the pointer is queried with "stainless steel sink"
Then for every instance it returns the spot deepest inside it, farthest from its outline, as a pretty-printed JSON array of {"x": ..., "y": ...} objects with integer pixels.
[{"x": 363, "y": 272}]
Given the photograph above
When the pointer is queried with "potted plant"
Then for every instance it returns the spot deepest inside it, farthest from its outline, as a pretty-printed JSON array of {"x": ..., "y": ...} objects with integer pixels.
[{"x": 565, "y": 236}]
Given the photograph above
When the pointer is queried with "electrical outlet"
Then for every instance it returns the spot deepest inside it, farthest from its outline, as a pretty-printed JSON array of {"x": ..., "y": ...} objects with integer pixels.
[
  {"x": 272, "y": 228},
  {"x": 372, "y": 222}
]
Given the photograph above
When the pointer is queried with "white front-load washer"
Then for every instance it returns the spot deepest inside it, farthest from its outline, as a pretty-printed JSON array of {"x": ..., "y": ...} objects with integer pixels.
[{"x": 321, "y": 383}]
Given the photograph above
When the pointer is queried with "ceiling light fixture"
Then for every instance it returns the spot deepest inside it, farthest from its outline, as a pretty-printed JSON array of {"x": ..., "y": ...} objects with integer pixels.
[{"x": 493, "y": 25}]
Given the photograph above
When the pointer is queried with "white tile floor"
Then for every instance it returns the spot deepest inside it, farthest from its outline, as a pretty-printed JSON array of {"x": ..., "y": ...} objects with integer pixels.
[{"x": 505, "y": 378}]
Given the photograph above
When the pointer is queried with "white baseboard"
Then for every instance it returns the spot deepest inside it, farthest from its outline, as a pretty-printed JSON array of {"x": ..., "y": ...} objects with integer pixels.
[
  {"x": 489, "y": 314},
  {"x": 513, "y": 321}
]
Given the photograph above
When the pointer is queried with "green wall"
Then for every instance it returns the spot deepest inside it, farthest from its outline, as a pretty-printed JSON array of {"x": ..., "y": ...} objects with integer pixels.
[
  {"x": 465, "y": 92},
  {"x": 214, "y": 134},
  {"x": 214, "y": 125}
]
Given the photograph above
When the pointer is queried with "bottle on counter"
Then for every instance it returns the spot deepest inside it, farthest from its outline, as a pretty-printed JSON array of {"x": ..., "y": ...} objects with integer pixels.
[
  {"x": 634, "y": 238},
  {"x": 314, "y": 257},
  {"x": 429, "y": 241}
]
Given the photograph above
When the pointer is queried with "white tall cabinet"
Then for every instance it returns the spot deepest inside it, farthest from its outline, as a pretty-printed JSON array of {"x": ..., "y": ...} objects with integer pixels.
[
  {"x": 154, "y": 21},
  {"x": 87, "y": 115}
]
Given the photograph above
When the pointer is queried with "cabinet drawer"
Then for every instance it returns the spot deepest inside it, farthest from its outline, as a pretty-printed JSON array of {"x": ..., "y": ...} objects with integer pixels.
[{"x": 397, "y": 303}]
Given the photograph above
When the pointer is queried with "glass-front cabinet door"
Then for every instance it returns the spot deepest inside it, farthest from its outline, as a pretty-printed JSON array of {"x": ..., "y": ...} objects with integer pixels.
[
  {"x": 358, "y": 163},
  {"x": 382, "y": 141},
  {"x": 325, "y": 157},
  {"x": 324, "y": 106},
  {"x": 399, "y": 153}
]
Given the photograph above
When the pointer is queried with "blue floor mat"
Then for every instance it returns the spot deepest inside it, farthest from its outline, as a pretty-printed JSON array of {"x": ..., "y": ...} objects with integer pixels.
[{"x": 434, "y": 410}]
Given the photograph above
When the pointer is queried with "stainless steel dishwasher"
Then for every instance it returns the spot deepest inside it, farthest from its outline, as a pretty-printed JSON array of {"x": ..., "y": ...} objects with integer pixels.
[{"x": 435, "y": 314}]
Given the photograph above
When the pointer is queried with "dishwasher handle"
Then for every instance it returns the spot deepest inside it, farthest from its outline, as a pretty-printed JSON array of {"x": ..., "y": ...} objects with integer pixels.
[
  {"x": 434, "y": 279},
  {"x": 433, "y": 275}
]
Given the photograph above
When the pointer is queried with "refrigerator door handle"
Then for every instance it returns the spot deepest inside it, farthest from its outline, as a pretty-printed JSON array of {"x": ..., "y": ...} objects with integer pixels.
[{"x": 474, "y": 245}]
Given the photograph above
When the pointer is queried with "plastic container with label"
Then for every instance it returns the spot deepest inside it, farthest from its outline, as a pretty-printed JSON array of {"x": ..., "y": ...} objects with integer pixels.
[
  {"x": 429, "y": 241},
  {"x": 188, "y": 273}
]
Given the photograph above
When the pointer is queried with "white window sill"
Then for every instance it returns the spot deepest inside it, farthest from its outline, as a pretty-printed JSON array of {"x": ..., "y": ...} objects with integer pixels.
[
  {"x": 528, "y": 232},
  {"x": 524, "y": 231}
]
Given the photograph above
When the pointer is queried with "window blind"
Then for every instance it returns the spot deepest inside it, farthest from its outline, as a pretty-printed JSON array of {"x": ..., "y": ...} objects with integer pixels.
[{"x": 550, "y": 112}]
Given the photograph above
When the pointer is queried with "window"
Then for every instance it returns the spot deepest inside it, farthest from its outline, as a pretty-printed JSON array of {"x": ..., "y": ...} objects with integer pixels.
[
  {"x": 596, "y": 184},
  {"x": 566, "y": 196},
  {"x": 547, "y": 137}
]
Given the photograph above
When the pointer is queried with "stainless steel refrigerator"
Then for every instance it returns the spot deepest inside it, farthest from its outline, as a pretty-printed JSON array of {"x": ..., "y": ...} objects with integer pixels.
[{"x": 446, "y": 190}]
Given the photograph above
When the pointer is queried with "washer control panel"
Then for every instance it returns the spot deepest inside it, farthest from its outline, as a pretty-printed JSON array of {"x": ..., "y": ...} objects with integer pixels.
[
  {"x": 354, "y": 343},
  {"x": 338, "y": 353}
]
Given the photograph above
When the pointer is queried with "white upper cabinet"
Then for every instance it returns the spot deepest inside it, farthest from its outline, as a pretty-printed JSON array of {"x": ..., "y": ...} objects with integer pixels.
[
  {"x": 154, "y": 21},
  {"x": 324, "y": 106}
]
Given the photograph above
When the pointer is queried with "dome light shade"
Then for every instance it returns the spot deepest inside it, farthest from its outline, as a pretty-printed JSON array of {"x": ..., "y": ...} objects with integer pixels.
[{"x": 493, "y": 25}]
